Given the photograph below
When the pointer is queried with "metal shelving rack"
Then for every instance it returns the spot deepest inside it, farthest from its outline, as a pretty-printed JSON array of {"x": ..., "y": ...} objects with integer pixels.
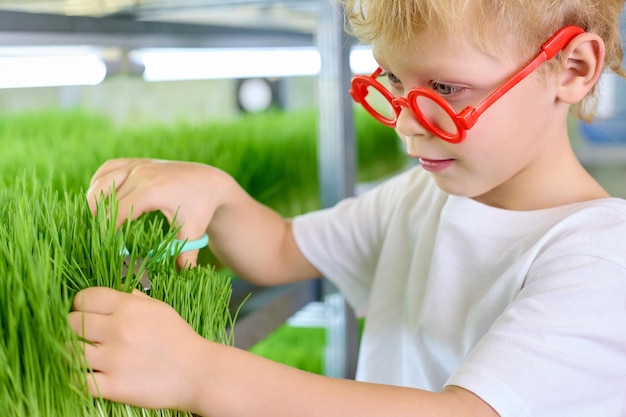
[{"x": 132, "y": 27}]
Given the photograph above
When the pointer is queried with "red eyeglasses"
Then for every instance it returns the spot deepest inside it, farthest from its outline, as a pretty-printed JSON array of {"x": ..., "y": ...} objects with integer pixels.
[{"x": 431, "y": 110}]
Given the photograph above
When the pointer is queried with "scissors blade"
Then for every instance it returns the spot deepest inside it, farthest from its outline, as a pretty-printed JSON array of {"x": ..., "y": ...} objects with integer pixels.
[{"x": 144, "y": 278}]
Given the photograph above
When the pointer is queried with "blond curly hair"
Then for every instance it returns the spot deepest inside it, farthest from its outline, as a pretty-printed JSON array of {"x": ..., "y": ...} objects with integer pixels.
[{"x": 393, "y": 24}]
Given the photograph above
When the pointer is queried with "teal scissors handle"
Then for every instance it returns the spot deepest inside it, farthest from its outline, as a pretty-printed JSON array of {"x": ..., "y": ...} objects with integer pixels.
[
  {"x": 182, "y": 245},
  {"x": 187, "y": 245},
  {"x": 176, "y": 246},
  {"x": 197, "y": 244}
]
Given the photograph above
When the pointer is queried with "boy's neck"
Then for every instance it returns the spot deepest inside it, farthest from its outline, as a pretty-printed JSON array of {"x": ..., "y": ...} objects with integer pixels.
[{"x": 552, "y": 182}]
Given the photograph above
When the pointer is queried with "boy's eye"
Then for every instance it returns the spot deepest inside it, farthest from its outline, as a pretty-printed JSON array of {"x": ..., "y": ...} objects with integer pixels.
[
  {"x": 444, "y": 89},
  {"x": 391, "y": 77}
]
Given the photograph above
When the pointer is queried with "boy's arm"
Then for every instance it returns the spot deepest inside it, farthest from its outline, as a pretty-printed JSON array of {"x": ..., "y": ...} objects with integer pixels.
[
  {"x": 250, "y": 238},
  {"x": 143, "y": 353},
  {"x": 256, "y": 242},
  {"x": 236, "y": 383}
]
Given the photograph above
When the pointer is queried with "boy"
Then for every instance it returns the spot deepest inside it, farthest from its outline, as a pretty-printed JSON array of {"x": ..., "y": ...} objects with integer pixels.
[{"x": 492, "y": 276}]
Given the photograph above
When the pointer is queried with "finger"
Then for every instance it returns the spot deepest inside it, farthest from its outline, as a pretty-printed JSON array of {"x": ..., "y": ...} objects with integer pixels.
[
  {"x": 187, "y": 260},
  {"x": 82, "y": 350},
  {"x": 95, "y": 382},
  {"x": 140, "y": 294},
  {"x": 150, "y": 189},
  {"x": 109, "y": 166},
  {"x": 101, "y": 188},
  {"x": 99, "y": 300},
  {"x": 93, "y": 200},
  {"x": 92, "y": 327},
  {"x": 189, "y": 231},
  {"x": 104, "y": 386},
  {"x": 132, "y": 202},
  {"x": 112, "y": 174},
  {"x": 95, "y": 357}
]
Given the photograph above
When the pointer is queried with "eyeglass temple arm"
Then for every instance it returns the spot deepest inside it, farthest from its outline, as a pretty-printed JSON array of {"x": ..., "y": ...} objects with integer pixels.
[{"x": 469, "y": 115}]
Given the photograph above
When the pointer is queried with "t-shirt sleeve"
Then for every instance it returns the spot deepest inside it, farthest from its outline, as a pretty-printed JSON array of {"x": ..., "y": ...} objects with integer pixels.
[
  {"x": 344, "y": 242},
  {"x": 559, "y": 349}
]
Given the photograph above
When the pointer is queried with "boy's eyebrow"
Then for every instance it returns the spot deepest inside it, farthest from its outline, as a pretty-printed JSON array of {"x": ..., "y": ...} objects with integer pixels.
[
  {"x": 382, "y": 63},
  {"x": 379, "y": 60}
]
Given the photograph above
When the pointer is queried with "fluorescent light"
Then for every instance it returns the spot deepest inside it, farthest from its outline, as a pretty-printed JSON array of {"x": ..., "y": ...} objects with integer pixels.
[
  {"x": 57, "y": 66},
  {"x": 197, "y": 64},
  {"x": 362, "y": 61},
  {"x": 48, "y": 67}
]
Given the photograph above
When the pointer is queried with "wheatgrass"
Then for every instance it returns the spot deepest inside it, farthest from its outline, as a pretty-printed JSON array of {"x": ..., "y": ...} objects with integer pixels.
[{"x": 50, "y": 248}]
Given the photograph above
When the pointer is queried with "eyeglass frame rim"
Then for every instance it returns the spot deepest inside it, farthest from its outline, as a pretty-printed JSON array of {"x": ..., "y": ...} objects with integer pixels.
[{"x": 465, "y": 119}]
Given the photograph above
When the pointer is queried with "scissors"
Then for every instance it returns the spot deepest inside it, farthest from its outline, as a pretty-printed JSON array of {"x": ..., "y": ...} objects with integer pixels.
[{"x": 177, "y": 246}]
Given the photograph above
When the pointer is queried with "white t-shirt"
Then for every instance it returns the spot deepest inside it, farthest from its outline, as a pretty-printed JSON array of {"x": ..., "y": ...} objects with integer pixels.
[{"x": 527, "y": 309}]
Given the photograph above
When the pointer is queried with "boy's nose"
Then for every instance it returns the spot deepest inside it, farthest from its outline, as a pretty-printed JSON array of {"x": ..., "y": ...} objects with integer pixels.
[{"x": 408, "y": 126}]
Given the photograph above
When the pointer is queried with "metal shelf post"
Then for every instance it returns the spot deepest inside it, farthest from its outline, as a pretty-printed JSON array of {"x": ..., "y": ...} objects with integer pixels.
[{"x": 337, "y": 160}]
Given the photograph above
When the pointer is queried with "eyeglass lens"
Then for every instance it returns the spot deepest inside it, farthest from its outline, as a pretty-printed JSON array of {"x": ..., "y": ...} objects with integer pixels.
[
  {"x": 379, "y": 103},
  {"x": 430, "y": 112},
  {"x": 436, "y": 115}
]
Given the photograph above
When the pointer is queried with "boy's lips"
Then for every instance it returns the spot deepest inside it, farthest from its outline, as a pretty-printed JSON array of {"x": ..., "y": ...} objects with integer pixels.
[{"x": 435, "y": 165}]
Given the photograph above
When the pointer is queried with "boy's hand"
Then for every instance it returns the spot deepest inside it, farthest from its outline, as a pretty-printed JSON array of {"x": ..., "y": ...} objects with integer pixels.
[
  {"x": 190, "y": 191},
  {"x": 141, "y": 351},
  {"x": 253, "y": 240}
]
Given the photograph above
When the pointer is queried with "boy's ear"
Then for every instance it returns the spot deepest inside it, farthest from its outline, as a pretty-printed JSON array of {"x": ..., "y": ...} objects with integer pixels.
[{"x": 582, "y": 64}]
